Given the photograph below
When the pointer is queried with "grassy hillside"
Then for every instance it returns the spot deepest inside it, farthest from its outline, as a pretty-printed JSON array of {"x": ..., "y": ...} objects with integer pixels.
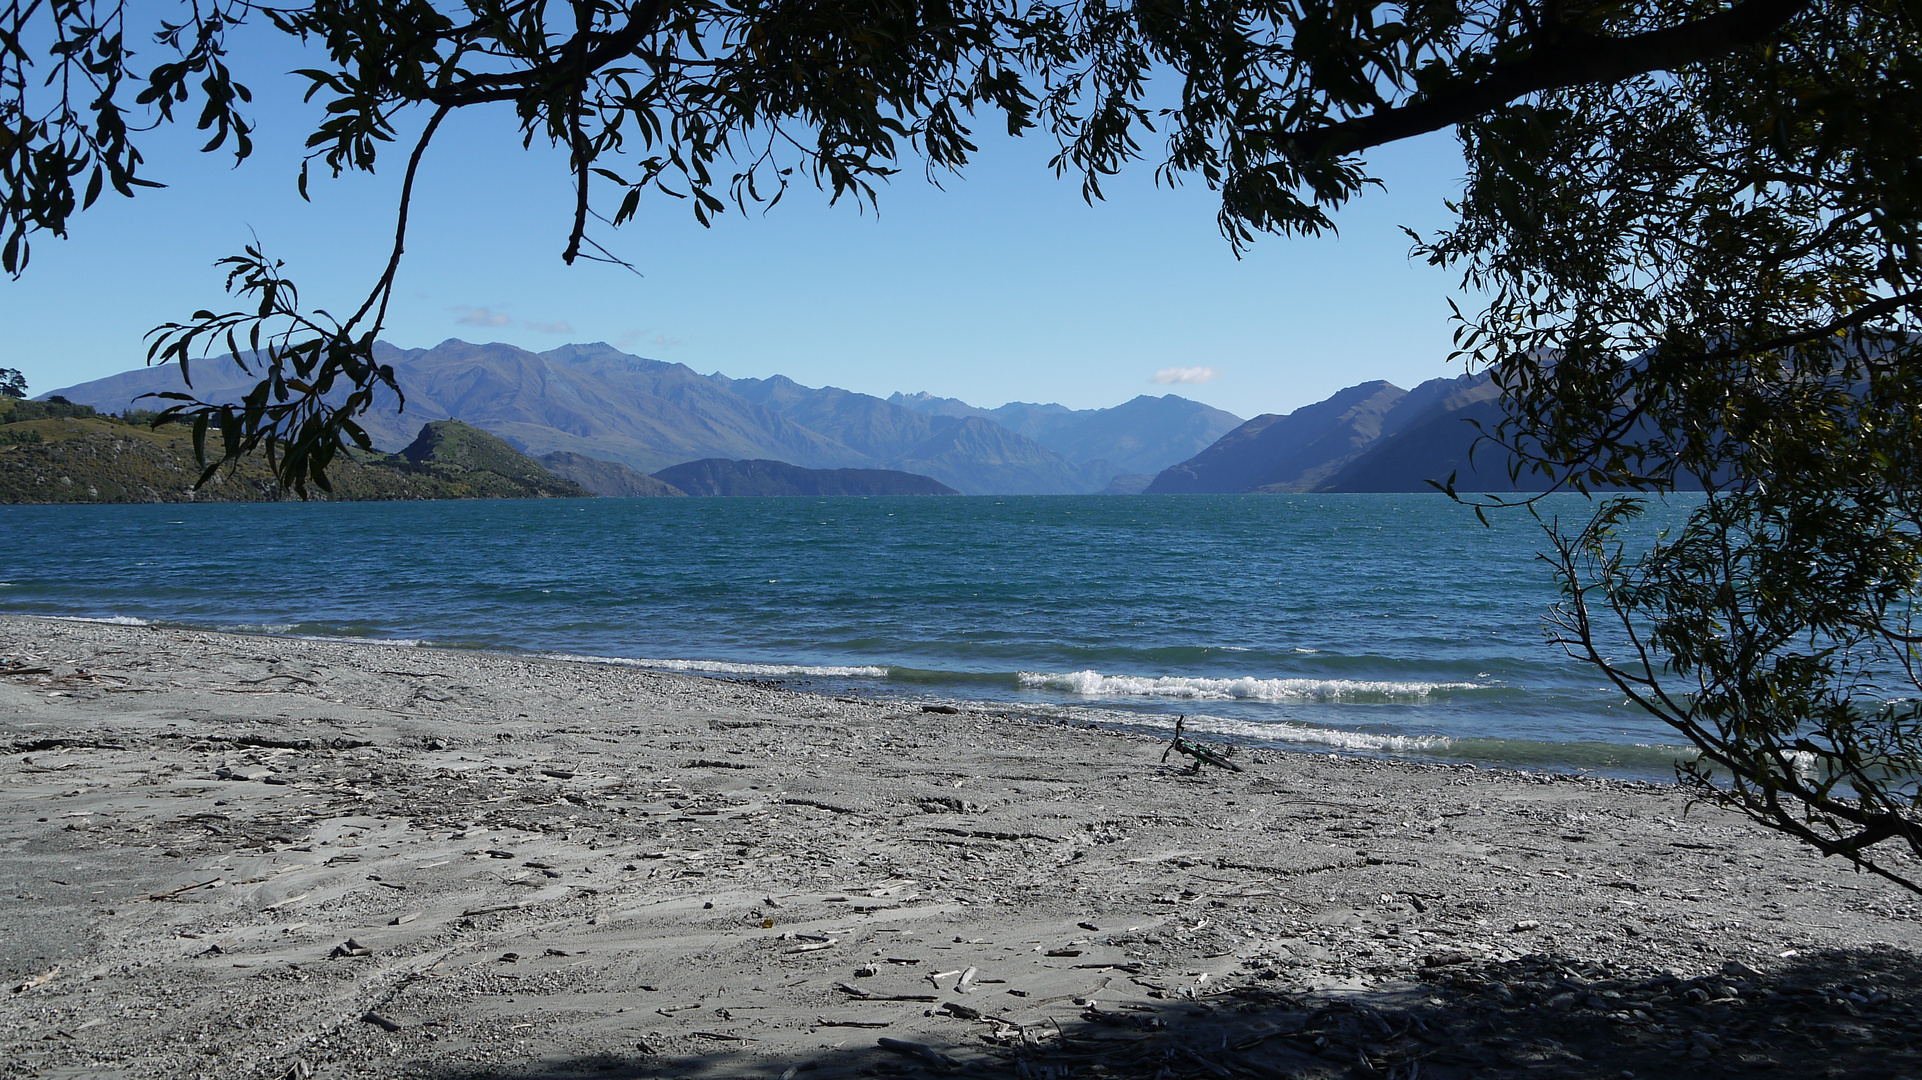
[
  {"x": 80, "y": 457},
  {"x": 485, "y": 466}
]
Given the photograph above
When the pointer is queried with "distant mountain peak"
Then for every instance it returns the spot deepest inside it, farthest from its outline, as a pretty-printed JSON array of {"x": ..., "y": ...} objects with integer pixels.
[
  {"x": 1051, "y": 408},
  {"x": 929, "y": 405},
  {"x": 582, "y": 352}
]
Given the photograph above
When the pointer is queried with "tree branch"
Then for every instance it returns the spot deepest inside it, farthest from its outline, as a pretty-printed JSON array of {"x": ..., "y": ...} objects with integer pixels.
[
  {"x": 385, "y": 286},
  {"x": 1888, "y": 305},
  {"x": 580, "y": 155},
  {"x": 1574, "y": 58},
  {"x": 582, "y": 52}
]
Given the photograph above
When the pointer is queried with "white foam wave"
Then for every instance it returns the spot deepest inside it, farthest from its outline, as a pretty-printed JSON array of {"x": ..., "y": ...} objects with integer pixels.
[
  {"x": 110, "y": 620},
  {"x": 725, "y": 667},
  {"x": 1095, "y": 684},
  {"x": 1356, "y": 740},
  {"x": 273, "y": 629},
  {"x": 1299, "y": 734}
]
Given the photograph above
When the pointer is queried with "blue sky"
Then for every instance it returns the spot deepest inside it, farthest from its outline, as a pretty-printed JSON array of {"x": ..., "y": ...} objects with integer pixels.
[{"x": 1002, "y": 285}]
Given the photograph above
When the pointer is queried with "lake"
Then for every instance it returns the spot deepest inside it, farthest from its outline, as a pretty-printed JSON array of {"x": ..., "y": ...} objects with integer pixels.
[{"x": 1390, "y": 624}]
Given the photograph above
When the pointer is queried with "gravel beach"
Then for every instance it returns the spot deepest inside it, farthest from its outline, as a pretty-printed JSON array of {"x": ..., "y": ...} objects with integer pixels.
[{"x": 238, "y": 856}]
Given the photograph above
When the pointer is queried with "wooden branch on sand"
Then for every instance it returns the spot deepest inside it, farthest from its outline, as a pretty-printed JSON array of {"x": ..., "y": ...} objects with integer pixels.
[{"x": 1200, "y": 753}]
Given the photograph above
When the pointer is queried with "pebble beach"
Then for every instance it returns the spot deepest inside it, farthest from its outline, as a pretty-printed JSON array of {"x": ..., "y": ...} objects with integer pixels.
[{"x": 251, "y": 856}]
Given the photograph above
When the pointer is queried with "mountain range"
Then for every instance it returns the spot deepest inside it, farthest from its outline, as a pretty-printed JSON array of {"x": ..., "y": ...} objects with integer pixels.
[
  {"x": 603, "y": 405},
  {"x": 605, "y": 419}
]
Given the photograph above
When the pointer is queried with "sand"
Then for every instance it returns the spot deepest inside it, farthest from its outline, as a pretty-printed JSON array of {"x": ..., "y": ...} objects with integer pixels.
[{"x": 259, "y": 857}]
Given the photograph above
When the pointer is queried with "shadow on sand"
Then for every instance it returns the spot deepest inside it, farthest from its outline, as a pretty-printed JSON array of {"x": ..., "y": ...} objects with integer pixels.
[{"x": 1828, "y": 1015}]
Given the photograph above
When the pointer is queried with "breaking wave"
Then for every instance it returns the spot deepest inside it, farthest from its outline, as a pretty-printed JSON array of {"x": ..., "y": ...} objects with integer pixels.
[
  {"x": 1095, "y": 684},
  {"x": 1363, "y": 742},
  {"x": 1358, "y": 741}
]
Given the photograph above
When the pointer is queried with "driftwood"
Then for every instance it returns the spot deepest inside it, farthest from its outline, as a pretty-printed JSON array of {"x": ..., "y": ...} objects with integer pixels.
[
  {"x": 863, "y": 995},
  {"x": 171, "y": 893},
  {"x": 1200, "y": 753}
]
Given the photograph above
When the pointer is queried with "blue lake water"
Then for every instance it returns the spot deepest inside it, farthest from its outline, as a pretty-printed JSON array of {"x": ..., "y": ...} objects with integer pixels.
[{"x": 1370, "y": 623}]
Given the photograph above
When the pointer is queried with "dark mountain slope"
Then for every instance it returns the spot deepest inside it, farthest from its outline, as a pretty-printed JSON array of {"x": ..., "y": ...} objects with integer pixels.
[
  {"x": 1421, "y": 402},
  {"x": 1372, "y": 437},
  {"x": 607, "y": 478},
  {"x": 716, "y": 476},
  {"x": 1295, "y": 452},
  {"x": 1437, "y": 443},
  {"x": 1431, "y": 449}
]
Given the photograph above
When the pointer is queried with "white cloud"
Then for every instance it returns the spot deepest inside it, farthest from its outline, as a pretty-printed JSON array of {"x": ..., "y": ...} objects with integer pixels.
[
  {"x": 481, "y": 316},
  {"x": 1171, "y": 375}
]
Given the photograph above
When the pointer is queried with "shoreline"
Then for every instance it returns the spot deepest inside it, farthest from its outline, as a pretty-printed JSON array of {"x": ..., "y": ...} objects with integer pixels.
[
  {"x": 1631, "y": 761},
  {"x": 259, "y": 856}
]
